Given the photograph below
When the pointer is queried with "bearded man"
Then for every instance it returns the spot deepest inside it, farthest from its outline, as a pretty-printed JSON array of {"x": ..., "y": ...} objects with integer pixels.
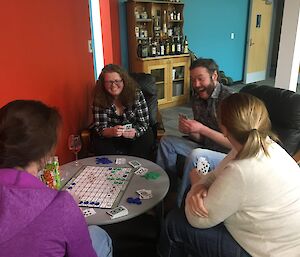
[{"x": 203, "y": 140}]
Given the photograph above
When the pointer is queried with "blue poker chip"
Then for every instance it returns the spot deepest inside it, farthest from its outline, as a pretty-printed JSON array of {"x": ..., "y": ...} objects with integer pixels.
[
  {"x": 103, "y": 160},
  {"x": 134, "y": 200}
]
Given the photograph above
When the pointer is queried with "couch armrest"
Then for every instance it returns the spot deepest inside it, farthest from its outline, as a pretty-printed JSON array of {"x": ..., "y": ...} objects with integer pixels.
[
  {"x": 160, "y": 126},
  {"x": 296, "y": 156},
  {"x": 85, "y": 135}
]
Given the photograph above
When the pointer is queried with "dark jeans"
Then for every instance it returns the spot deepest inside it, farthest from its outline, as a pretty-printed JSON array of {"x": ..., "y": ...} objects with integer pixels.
[
  {"x": 179, "y": 238},
  {"x": 140, "y": 147}
]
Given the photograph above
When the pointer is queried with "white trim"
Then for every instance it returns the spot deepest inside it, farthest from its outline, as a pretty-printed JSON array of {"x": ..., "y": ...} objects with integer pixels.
[
  {"x": 255, "y": 76},
  {"x": 96, "y": 32}
]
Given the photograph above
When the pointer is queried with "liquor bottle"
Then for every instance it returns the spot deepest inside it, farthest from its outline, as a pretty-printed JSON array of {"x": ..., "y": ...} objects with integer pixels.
[
  {"x": 185, "y": 45},
  {"x": 178, "y": 45},
  {"x": 167, "y": 50},
  {"x": 139, "y": 48},
  {"x": 173, "y": 46},
  {"x": 165, "y": 28},
  {"x": 162, "y": 48},
  {"x": 157, "y": 48},
  {"x": 153, "y": 49},
  {"x": 145, "y": 49}
]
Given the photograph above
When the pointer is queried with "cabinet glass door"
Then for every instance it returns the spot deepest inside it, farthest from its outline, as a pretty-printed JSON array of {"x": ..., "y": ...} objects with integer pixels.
[
  {"x": 159, "y": 75},
  {"x": 178, "y": 80}
]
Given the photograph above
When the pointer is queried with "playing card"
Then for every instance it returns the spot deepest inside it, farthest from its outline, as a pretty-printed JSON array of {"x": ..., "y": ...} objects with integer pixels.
[
  {"x": 144, "y": 194},
  {"x": 88, "y": 212},
  {"x": 120, "y": 161},
  {"x": 127, "y": 126},
  {"x": 141, "y": 171}
]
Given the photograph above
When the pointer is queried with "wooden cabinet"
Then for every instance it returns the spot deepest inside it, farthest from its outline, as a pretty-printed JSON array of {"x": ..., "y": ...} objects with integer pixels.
[{"x": 159, "y": 24}]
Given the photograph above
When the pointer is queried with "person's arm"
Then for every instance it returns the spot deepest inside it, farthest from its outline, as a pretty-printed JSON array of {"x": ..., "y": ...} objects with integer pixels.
[
  {"x": 76, "y": 234},
  {"x": 142, "y": 115},
  {"x": 196, "y": 127},
  {"x": 223, "y": 198}
]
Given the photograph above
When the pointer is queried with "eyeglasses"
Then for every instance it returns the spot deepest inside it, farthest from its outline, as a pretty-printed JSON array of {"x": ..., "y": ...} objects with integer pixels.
[{"x": 118, "y": 82}]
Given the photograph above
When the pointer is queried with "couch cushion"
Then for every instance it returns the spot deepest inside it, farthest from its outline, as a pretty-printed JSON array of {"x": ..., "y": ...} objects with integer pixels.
[{"x": 284, "y": 111}]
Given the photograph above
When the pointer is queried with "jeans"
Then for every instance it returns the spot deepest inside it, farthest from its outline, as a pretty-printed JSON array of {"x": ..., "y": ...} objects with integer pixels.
[
  {"x": 213, "y": 157},
  {"x": 101, "y": 241},
  {"x": 180, "y": 239},
  {"x": 170, "y": 147}
]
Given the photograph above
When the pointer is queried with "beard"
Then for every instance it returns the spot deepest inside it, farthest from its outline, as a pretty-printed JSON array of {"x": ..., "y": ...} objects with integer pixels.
[{"x": 205, "y": 92}]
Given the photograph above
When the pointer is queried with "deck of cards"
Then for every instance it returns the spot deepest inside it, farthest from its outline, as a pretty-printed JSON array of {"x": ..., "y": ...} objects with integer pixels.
[
  {"x": 128, "y": 126},
  {"x": 144, "y": 193},
  {"x": 120, "y": 161},
  {"x": 141, "y": 171}
]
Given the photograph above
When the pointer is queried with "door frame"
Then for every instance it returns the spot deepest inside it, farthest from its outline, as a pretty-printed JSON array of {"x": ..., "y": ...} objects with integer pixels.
[{"x": 258, "y": 75}]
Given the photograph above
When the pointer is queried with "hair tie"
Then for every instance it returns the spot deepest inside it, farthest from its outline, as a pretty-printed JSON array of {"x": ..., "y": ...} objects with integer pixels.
[{"x": 254, "y": 129}]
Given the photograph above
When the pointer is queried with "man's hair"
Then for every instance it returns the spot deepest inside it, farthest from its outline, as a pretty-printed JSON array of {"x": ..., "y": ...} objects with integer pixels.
[
  {"x": 207, "y": 63},
  {"x": 28, "y": 132},
  {"x": 103, "y": 99},
  {"x": 247, "y": 120}
]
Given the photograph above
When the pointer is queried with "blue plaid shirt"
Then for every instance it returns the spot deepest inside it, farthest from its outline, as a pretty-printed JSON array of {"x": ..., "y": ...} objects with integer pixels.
[
  {"x": 205, "y": 111},
  {"x": 137, "y": 115}
]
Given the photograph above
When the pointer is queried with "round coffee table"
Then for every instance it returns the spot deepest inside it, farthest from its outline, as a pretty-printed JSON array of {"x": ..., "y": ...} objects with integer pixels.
[{"x": 159, "y": 187}]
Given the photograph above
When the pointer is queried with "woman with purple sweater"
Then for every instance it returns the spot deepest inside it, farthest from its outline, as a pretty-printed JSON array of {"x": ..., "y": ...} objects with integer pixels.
[{"x": 34, "y": 219}]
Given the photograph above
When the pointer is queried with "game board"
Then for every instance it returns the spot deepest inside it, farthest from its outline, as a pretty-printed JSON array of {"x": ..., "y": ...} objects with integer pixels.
[{"x": 99, "y": 187}]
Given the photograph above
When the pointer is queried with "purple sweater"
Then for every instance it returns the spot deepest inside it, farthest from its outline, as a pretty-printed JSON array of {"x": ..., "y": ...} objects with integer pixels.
[{"x": 38, "y": 221}]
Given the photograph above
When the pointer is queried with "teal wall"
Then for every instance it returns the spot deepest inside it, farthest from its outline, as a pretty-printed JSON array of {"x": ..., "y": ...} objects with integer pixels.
[
  {"x": 123, "y": 33},
  {"x": 208, "y": 26}
]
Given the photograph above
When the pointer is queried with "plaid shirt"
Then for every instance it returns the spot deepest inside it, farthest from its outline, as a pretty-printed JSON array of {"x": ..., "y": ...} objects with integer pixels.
[
  {"x": 205, "y": 111},
  {"x": 137, "y": 115}
]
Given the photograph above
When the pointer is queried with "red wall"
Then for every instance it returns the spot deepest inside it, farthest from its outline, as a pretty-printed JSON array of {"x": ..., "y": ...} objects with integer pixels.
[
  {"x": 109, "y": 11},
  {"x": 44, "y": 56}
]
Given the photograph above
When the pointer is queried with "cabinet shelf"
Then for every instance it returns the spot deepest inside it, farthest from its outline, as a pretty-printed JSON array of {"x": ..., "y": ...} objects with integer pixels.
[
  {"x": 171, "y": 92},
  {"x": 143, "y": 20}
]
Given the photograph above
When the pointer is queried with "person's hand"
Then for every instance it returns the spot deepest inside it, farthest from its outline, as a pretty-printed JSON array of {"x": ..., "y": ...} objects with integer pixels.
[
  {"x": 129, "y": 133},
  {"x": 193, "y": 126},
  {"x": 181, "y": 126},
  {"x": 115, "y": 131},
  {"x": 195, "y": 200}
]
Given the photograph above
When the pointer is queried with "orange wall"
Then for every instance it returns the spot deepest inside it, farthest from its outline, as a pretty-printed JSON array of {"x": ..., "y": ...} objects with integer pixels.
[{"x": 44, "y": 55}]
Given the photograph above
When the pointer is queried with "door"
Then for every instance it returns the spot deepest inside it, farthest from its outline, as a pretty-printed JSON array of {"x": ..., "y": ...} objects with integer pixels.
[{"x": 259, "y": 28}]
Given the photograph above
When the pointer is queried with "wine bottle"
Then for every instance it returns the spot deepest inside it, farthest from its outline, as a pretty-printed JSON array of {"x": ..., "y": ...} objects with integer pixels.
[{"x": 185, "y": 45}]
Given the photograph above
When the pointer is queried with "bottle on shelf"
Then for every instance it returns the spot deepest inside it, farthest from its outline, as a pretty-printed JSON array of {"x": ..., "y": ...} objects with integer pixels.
[
  {"x": 167, "y": 50},
  {"x": 185, "y": 46},
  {"x": 152, "y": 47},
  {"x": 173, "y": 46},
  {"x": 156, "y": 27},
  {"x": 162, "y": 48},
  {"x": 164, "y": 27},
  {"x": 178, "y": 45},
  {"x": 143, "y": 49}
]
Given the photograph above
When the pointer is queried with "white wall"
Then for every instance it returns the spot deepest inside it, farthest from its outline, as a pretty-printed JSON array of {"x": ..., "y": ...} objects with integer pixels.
[{"x": 289, "y": 48}]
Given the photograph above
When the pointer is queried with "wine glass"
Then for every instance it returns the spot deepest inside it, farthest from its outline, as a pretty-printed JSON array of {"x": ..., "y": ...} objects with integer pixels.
[{"x": 74, "y": 144}]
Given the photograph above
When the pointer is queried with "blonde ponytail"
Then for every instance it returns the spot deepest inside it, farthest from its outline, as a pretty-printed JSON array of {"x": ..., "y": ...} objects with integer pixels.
[{"x": 246, "y": 119}]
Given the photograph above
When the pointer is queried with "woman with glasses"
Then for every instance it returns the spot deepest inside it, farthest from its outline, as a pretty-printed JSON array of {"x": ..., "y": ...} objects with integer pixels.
[
  {"x": 36, "y": 220},
  {"x": 121, "y": 118}
]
